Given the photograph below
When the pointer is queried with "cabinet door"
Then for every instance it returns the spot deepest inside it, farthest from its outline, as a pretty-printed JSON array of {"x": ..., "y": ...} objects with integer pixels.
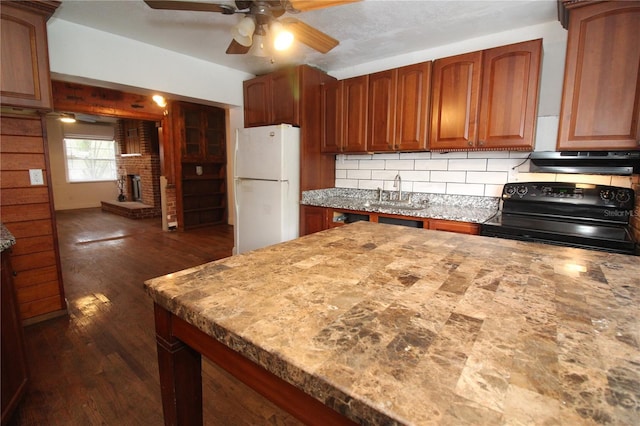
[
  {"x": 382, "y": 111},
  {"x": 284, "y": 97},
  {"x": 257, "y": 101},
  {"x": 215, "y": 133},
  {"x": 454, "y": 226},
  {"x": 354, "y": 104},
  {"x": 454, "y": 108},
  {"x": 601, "y": 95},
  {"x": 314, "y": 219},
  {"x": 412, "y": 107},
  {"x": 331, "y": 112},
  {"x": 24, "y": 74},
  {"x": 191, "y": 133},
  {"x": 508, "y": 104}
]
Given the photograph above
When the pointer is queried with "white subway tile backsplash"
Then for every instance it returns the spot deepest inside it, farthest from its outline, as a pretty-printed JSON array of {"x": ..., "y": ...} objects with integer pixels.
[
  {"x": 383, "y": 174},
  {"x": 502, "y": 164},
  {"x": 359, "y": 174},
  {"x": 493, "y": 190},
  {"x": 372, "y": 164},
  {"x": 457, "y": 173},
  {"x": 415, "y": 155},
  {"x": 431, "y": 164},
  {"x": 467, "y": 164},
  {"x": 430, "y": 187},
  {"x": 487, "y": 177},
  {"x": 465, "y": 189},
  {"x": 415, "y": 175},
  {"x": 456, "y": 176},
  {"x": 488, "y": 154},
  {"x": 399, "y": 164},
  {"x": 346, "y": 183}
]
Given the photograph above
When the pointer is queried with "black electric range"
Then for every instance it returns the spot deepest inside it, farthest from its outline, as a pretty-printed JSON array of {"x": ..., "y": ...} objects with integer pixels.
[{"x": 581, "y": 215}]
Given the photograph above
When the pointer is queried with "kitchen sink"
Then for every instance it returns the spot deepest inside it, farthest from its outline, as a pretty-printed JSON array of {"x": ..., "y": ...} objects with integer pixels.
[{"x": 403, "y": 205}]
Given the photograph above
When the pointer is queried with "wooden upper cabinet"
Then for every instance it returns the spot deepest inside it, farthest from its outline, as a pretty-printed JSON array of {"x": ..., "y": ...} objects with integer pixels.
[
  {"x": 331, "y": 116},
  {"x": 509, "y": 97},
  {"x": 202, "y": 132},
  {"x": 601, "y": 95},
  {"x": 486, "y": 100},
  {"x": 344, "y": 116},
  {"x": 257, "y": 101},
  {"x": 272, "y": 99},
  {"x": 354, "y": 113},
  {"x": 413, "y": 94},
  {"x": 455, "y": 99},
  {"x": 382, "y": 111},
  {"x": 24, "y": 74}
]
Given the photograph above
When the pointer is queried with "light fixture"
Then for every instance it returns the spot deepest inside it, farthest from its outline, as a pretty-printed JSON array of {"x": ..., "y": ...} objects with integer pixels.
[
  {"x": 159, "y": 100},
  {"x": 68, "y": 118},
  {"x": 243, "y": 32},
  {"x": 282, "y": 38},
  {"x": 259, "y": 48}
]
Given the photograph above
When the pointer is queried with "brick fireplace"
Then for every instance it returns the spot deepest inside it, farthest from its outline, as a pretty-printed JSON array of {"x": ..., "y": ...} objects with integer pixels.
[{"x": 138, "y": 165}]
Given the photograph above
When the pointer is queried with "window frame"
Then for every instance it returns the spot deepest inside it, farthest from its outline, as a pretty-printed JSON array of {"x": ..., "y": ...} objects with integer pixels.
[{"x": 94, "y": 139}]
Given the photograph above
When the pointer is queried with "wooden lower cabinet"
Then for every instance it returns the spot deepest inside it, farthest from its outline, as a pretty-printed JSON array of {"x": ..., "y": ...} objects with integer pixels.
[
  {"x": 320, "y": 218},
  {"x": 14, "y": 361}
]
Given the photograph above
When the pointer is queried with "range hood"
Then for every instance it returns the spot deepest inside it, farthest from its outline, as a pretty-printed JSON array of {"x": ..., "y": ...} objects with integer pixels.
[{"x": 586, "y": 162}]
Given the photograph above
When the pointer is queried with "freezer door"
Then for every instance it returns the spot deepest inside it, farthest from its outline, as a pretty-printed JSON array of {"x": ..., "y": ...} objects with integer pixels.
[
  {"x": 266, "y": 214},
  {"x": 269, "y": 153}
]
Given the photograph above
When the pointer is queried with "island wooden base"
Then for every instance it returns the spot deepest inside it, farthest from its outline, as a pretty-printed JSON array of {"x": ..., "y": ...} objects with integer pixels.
[{"x": 180, "y": 346}]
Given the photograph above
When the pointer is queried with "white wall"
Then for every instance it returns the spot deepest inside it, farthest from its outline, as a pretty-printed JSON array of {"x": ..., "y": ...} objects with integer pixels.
[
  {"x": 466, "y": 173},
  {"x": 72, "y": 195},
  {"x": 83, "y": 53}
]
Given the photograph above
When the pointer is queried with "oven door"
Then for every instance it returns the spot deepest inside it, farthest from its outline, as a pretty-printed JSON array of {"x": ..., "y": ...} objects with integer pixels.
[{"x": 613, "y": 239}]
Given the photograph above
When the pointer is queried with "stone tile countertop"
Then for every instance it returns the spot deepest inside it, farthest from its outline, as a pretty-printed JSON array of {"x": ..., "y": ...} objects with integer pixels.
[
  {"x": 437, "y": 206},
  {"x": 7, "y": 239},
  {"x": 394, "y": 325}
]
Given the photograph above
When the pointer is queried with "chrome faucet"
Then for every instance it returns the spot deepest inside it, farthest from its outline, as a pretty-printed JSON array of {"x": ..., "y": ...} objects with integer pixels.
[{"x": 397, "y": 183}]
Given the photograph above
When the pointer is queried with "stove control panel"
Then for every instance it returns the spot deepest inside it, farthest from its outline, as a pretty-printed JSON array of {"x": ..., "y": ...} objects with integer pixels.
[{"x": 569, "y": 193}]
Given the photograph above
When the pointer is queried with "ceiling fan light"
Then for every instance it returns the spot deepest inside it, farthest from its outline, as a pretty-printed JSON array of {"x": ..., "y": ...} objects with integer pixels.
[
  {"x": 282, "y": 38},
  {"x": 259, "y": 47},
  {"x": 68, "y": 118},
  {"x": 243, "y": 32}
]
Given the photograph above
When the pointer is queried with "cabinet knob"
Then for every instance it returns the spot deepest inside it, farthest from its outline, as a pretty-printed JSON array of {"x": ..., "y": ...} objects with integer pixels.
[
  {"x": 14, "y": 273},
  {"x": 470, "y": 143},
  {"x": 481, "y": 143}
]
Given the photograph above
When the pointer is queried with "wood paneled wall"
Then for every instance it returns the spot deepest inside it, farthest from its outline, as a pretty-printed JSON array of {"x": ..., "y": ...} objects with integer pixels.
[{"x": 27, "y": 211}]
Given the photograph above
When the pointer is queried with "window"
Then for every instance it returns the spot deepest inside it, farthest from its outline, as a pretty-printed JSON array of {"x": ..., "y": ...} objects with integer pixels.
[{"x": 90, "y": 160}]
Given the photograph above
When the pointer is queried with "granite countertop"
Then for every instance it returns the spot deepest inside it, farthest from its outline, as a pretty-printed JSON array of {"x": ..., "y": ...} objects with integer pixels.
[
  {"x": 461, "y": 208},
  {"x": 7, "y": 240},
  {"x": 394, "y": 325}
]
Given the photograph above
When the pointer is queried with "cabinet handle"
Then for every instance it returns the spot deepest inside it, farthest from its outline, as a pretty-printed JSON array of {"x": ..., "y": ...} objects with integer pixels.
[{"x": 14, "y": 273}]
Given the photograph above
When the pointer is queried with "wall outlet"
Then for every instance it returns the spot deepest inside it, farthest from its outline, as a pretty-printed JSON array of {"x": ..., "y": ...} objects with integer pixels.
[{"x": 35, "y": 176}]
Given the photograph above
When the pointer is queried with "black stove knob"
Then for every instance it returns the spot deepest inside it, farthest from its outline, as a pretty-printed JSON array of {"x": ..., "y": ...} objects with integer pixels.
[
  {"x": 607, "y": 195},
  {"x": 510, "y": 189},
  {"x": 623, "y": 196},
  {"x": 522, "y": 190}
]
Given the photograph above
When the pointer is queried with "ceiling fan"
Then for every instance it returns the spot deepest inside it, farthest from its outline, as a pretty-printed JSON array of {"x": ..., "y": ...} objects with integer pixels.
[{"x": 261, "y": 20}]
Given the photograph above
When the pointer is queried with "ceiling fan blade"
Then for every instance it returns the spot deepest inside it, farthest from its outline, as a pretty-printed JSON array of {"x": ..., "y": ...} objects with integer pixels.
[
  {"x": 304, "y": 5},
  {"x": 186, "y": 5},
  {"x": 236, "y": 48},
  {"x": 310, "y": 36}
]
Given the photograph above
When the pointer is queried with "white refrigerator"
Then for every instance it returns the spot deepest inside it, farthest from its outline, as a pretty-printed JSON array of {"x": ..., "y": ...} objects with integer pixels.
[{"x": 267, "y": 186}]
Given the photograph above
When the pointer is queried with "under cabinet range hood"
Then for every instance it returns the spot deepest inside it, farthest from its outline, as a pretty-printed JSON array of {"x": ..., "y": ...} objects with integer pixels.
[{"x": 622, "y": 163}]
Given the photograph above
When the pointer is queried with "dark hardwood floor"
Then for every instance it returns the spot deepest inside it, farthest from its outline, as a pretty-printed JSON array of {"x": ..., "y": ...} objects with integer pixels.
[{"x": 98, "y": 366}]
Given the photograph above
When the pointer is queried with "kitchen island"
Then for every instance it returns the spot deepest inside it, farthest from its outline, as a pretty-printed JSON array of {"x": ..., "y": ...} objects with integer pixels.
[{"x": 391, "y": 325}]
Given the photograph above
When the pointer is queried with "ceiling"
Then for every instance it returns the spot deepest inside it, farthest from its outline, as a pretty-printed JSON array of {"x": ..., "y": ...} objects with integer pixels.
[{"x": 369, "y": 30}]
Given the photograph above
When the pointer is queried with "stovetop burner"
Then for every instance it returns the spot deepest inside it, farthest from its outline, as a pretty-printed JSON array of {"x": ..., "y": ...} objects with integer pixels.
[{"x": 570, "y": 214}]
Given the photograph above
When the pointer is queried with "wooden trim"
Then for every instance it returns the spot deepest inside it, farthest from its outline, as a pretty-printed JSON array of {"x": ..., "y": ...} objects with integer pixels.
[
  {"x": 169, "y": 328},
  {"x": 43, "y": 7}
]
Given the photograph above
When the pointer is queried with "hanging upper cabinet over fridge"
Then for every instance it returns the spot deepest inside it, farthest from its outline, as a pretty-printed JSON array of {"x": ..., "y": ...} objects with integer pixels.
[
  {"x": 486, "y": 100},
  {"x": 601, "y": 94}
]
